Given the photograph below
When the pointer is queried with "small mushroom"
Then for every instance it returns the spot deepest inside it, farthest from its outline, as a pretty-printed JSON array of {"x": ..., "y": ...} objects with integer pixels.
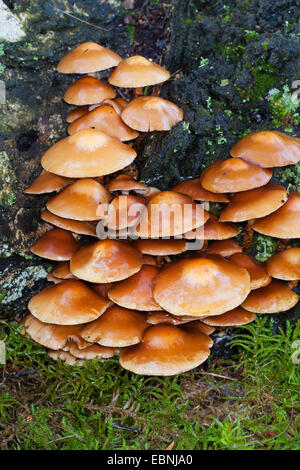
[
  {"x": 106, "y": 261},
  {"x": 268, "y": 149},
  {"x": 47, "y": 183},
  {"x": 88, "y": 90},
  {"x": 160, "y": 247},
  {"x": 194, "y": 189},
  {"x": 136, "y": 292},
  {"x": 234, "y": 175},
  {"x": 57, "y": 245},
  {"x": 90, "y": 352},
  {"x": 285, "y": 265},
  {"x": 66, "y": 357},
  {"x": 224, "y": 248},
  {"x": 88, "y": 57},
  {"x": 70, "y": 302},
  {"x": 117, "y": 327},
  {"x": 235, "y": 317},
  {"x": 257, "y": 271},
  {"x": 166, "y": 350},
  {"x": 75, "y": 226},
  {"x": 124, "y": 211},
  {"x": 126, "y": 183},
  {"x": 274, "y": 298},
  {"x": 76, "y": 113},
  {"x": 213, "y": 229},
  {"x": 88, "y": 153},
  {"x": 136, "y": 72},
  {"x": 62, "y": 271}
]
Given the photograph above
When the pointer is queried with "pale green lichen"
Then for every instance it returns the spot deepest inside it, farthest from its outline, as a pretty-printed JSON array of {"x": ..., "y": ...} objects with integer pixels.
[
  {"x": 7, "y": 181},
  {"x": 14, "y": 284}
]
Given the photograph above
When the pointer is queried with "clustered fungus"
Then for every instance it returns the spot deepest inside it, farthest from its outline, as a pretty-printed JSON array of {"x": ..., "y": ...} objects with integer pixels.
[{"x": 148, "y": 298}]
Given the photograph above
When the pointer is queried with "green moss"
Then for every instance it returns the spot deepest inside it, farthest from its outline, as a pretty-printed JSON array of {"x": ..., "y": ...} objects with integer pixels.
[
  {"x": 265, "y": 246},
  {"x": 283, "y": 107},
  {"x": 290, "y": 177}
]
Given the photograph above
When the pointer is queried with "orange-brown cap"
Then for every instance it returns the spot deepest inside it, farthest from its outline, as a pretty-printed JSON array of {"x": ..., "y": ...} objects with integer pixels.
[
  {"x": 88, "y": 153},
  {"x": 276, "y": 297},
  {"x": 235, "y": 317},
  {"x": 106, "y": 261},
  {"x": 170, "y": 214},
  {"x": 234, "y": 175},
  {"x": 88, "y": 90},
  {"x": 194, "y": 189},
  {"x": 77, "y": 113},
  {"x": 152, "y": 192},
  {"x": 62, "y": 271},
  {"x": 136, "y": 291},
  {"x": 137, "y": 71},
  {"x": 75, "y": 226},
  {"x": 213, "y": 230},
  {"x": 118, "y": 104},
  {"x": 151, "y": 113},
  {"x": 66, "y": 357},
  {"x": 52, "y": 336},
  {"x": 285, "y": 265},
  {"x": 101, "y": 289},
  {"x": 105, "y": 119},
  {"x": 224, "y": 248},
  {"x": 126, "y": 183},
  {"x": 154, "y": 318},
  {"x": 268, "y": 149},
  {"x": 150, "y": 260},
  {"x": 196, "y": 286},
  {"x": 166, "y": 350},
  {"x": 90, "y": 352},
  {"x": 124, "y": 211},
  {"x": 254, "y": 203},
  {"x": 80, "y": 200},
  {"x": 87, "y": 58},
  {"x": 117, "y": 327},
  {"x": 160, "y": 247},
  {"x": 67, "y": 303},
  {"x": 57, "y": 244},
  {"x": 47, "y": 183},
  {"x": 257, "y": 271},
  {"x": 283, "y": 223}
]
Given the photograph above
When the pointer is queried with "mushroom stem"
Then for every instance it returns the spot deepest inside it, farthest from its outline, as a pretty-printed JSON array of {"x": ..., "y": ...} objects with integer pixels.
[
  {"x": 248, "y": 235},
  {"x": 139, "y": 91},
  {"x": 282, "y": 244}
]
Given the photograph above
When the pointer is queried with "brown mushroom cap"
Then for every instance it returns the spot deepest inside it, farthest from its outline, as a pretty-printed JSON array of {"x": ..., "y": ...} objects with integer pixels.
[
  {"x": 255, "y": 203},
  {"x": 150, "y": 260},
  {"x": 123, "y": 211},
  {"x": 274, "y": 298},
  {"x": 106, "y": 261},
  {"x": 166, "y": 350},
  {"x": 66, "y": 357},
  {"x": 47, "y": 183},
  {"x": 76, "y": 113},
  {"x": 285, "y": 265},
  {"x": 117, "y": 327},
  {"x": 154, "y": 318},
  {"x": 257, "y": 271},
  {"x": 75, "y": 226},
  {"x": 224, "y": 248},
  {"x": 57, "y": 244},
  {"x": 126, "y": 183},
  {"x": 137, "y": 71},
  {"x": 283, "y": 223},
  {"x": 213, "y": 230},
  {"x": 80, "y": 200},
  {"x": 234, "y": 175},
  {"x": 88, "y": 90},
  {"x": 87, "y": 58},
  {"x": 235, "y": 317},
  {"x": 151, "y": 113},
  {"x": 101, "y": 288},
  {"x": 62, "y": 271},
  {"x": 90, "y": 352},
  {"x": 152, "y": 192},
  {"x": 105, "y": 119},
  {"x": 136, "y": 292},
  {"x": 67, "y": 303},
  {"x": 201, "y": 286},
  {"x": 160, "y": 247},
  {"x": 194, "y": 189},
  {"x": 88, "y": 153},
  {"x": 52, "y": 336},
  {"x": 268, "y": 149},
  {"x": 170, "y": 214}
]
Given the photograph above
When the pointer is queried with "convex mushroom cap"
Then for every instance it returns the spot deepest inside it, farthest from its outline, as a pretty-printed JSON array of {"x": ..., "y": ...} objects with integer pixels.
[
  {"x": 80, "y": 200},
  {"x": 106, "y": 261},
  {"x": 77, "y": 113},
  {"x": 196, "y": 286},
  {"x": 117, "y": 327},
  {"x": 151, "y": 113},
  {"x": 90, "y": 352},
  {"x": 235, "y": 317},
  {"x": 67, "y": 303},
  {"x": 234, "y": 175},
  {"x": 124, "y": 211},
  {"x": 88, "y": 90},
  {"x": 126, "y": 183},
  {"x": 75, "y": 226},
  {"x": 88, "y": 153},
  {"x": 47, "y": 183},
  {"x": 136, "y": 292},
  {"x": 254, "y": 203},
  {"x": 224, "y": 248},
  {"x": 257, "y": 271},
  {"x": 137, "y": 71},
  {"x": 105, "y": 119},
  {"x": 285, "y": 265},
  {"x": 276, "y": 297},
  {"x": 57, "y": 245},
  {"x": 160, "y": 247},
  {"x": 88, "y": 57},
  {"x": 268, "y": 149},
  {"x": 194, "y": 189},
  {"x": 166, "y": 350},
  {"x": 213, "y": 230}
]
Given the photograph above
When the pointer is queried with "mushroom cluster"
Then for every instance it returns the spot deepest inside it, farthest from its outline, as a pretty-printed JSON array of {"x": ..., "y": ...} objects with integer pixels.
[{"x": 140, "y": 292}]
